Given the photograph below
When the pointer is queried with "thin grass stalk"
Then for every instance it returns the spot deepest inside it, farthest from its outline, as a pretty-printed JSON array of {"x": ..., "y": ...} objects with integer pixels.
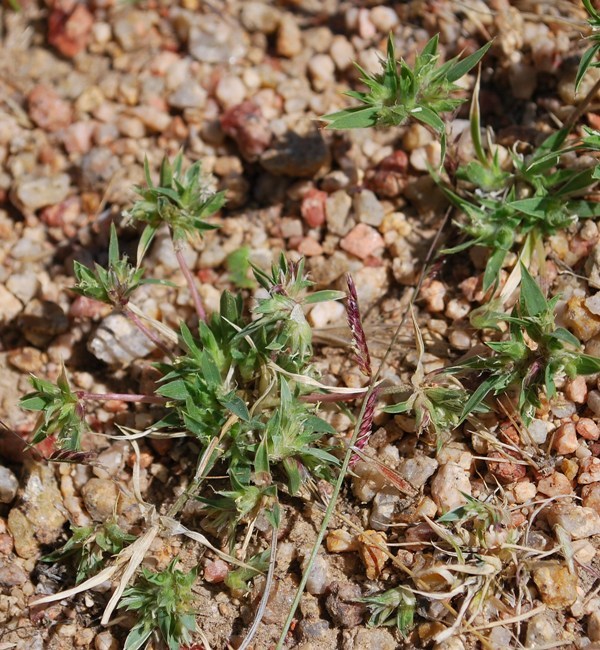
[
  {"x": 350, "y": 452},
  {"x": 123, "y": 397}
]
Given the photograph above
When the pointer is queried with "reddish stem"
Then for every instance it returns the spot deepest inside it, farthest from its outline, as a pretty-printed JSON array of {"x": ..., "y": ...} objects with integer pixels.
[
  {"x": 147, "y": 332},
  {"x": 123, "y": 397},
  {"x": 191, "y": 282}
]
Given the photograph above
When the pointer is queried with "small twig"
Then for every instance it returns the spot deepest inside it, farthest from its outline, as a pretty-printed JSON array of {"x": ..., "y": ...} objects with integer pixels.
[{"x": 191, "y": 282}]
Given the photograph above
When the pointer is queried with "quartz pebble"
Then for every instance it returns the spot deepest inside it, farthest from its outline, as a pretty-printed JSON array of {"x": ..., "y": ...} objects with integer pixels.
[
  {"x": 10, "y": 306},
  {"x": 448, "y": 487},
  {"x": 589, "y": 471},
  {"x": 47, "y": 109},
  {"x": 337, "y": 211},
  {"x": 9, "y": 485},
  {"x": 215, "y": 571},
  {"x": 32, "y": 193},
  {"x": 370, "y": 550},
  {"x": 587, "y": 429},
  {"x": 555, "y": 484},
  {"x": 565, "y": 439},
  {"x": 362, "y": 241},
  {"x": 117, "y": 341},
  {"x": 556, "y": 584},
  {"x": 100, "y": 497},
  {"x": 368, "y": 208},
  {"x": 580, "y": 522}
]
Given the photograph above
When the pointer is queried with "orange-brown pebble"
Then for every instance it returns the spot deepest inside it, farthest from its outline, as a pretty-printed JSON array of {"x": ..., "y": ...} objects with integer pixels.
[
  {"x": 565, "y": 439},
  {"x": 371, "y": 553},
  {"x": 554, "y": 485},
  {"x": 588, "y": 429}
]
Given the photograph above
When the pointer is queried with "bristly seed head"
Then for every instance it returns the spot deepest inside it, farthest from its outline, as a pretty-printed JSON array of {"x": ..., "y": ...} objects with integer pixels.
[
  {"x": 359, "y": 339},
  {"x": 366, "y": 424}
]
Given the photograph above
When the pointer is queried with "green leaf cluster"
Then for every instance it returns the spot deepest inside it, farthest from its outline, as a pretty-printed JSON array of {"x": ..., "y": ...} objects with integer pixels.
[
  {"x": 533, "y": 354},
  {"x": 535, "y": 196},
  {"x": 181, "y": 200},
  {"x": 113, "y": 285},
  {"x": 394, "y": 607},
  {"x": 162, "y": 601},
  {"x": 588, "y": 60},
  {"x": 61, "y": 412},
  {"x": 399, "y": 93},
  {"x": 91, "y": 546}
]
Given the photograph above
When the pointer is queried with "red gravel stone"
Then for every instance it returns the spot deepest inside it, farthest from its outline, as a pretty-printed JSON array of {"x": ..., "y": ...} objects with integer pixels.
[
  {"x": 69, "y": 33},
  {"x": 48, "y": 110}
]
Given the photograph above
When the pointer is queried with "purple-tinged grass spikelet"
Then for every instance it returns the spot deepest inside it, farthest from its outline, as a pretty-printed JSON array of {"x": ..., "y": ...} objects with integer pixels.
[{"x": 359, "y": 339}]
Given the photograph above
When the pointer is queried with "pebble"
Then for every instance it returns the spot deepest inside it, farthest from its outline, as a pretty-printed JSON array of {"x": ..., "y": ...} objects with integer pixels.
[
  {"x": 47, "y": 109},
  {"x": 505, "y": 472},
  {"x": 341, "y": 541},
  {"x": 230, "y": 91},
  {"x": 363, "y": 241},
  {"x": 382, "y": 512},
  {"x": 383, "y": 18},
  {"x": 11, "y": 575},
  {"x": 321, "y": 70},
  {"x": 587, "y": 429},
  {"x": 312, "y": 208},
  {"x": 131, "y": 29},
  {"x": 259, "y": 17},
  {"x": 100, "y": 498},
  {"x": 214, "y": 40},
  {"x": 33, "y": 192},
  {"x": 247, "y": 126},
  {"x": 300, "y": 153},
  {"x": 152, "y": 118},
  {"x": 39, "y": 516},
  {"x": 593, "y": 401},
  {"x": 111, "y": 460},
  {"x": 565, "y": 439},
  {"x": 593, "y": 626},
  {"x": 580, "y": 320},
  {"x": 70, "y": 34},
  {"x": 116, "y": 341},
  {"x": 563, "y": 408},
  {"x": 337, "y": 213},
  {"x": 318, "y": 578},
  {"x": 342, "y": 52},
  {"x": 524, "y": 491},
  {"x": 10, "y": 306},
  {"x": 448, "y": 486},
  {"x": 576, "y": 390},
  {"x": 23, "y": 285},
  {"x": 590, "y": 495},
  {"x": 538, "y": 431},
  {"x": 189, "y": 94},
  {"x": 370, "y": 638},
  {"x": 580, "y": 522},
  {"x": 326, "y": 313},
  {"x": 344, "y": 606},
  {"x": 9, "y": 485},
  {"x": 105, "y": 641},
  {"x": 542, "y": 629},
  {"x": 215, "y": 571},
  {"x": 418, "y": 469},
  {"x": 556, "y": 584},
  {"x": 589, "y": 471},
  {"x": 460, "y": 339},
  {"x": 289, "y": 37},
  {"x": 555, "y": 484},
  {"x": 434, "y": 293},
  {"x": 368, "y": 208}
]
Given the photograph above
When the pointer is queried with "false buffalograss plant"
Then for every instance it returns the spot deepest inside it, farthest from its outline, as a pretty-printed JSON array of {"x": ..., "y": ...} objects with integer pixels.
[
  {"x": 233, "y": 383},
  {"x": 523, "y": 200},
  {"x": 532, "y": 357},
  {"x": 401, "y": 93}
]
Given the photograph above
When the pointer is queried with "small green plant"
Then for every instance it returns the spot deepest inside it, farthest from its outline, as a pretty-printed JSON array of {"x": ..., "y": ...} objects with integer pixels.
[
  {"x": 162, "y": 601},
  {"x": 533, "y": 197},
  {"x": 589, "y": 56},
  {"x": 61, "y": 412},
  {"x": 400, "y": 93},
  {"x": 182, "y": 201},
  {"x": 394, "y": 607},
  {"x": 534, "y": 353},
  {"x": 91, "y": 546},
  {"x": 238, "y": 265}
]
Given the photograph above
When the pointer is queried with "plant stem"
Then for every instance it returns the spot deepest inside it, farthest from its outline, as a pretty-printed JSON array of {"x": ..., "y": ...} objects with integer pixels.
[
  {"x": 191, "y": 282},
  {"x": 147, "y": 332},
  {"x": 123, "y": 397},
  {"x": 580, "y": 110}
]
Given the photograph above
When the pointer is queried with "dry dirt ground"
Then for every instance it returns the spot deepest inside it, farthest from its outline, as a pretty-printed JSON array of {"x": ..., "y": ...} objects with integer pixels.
[{"x": 87, "y": 91}]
